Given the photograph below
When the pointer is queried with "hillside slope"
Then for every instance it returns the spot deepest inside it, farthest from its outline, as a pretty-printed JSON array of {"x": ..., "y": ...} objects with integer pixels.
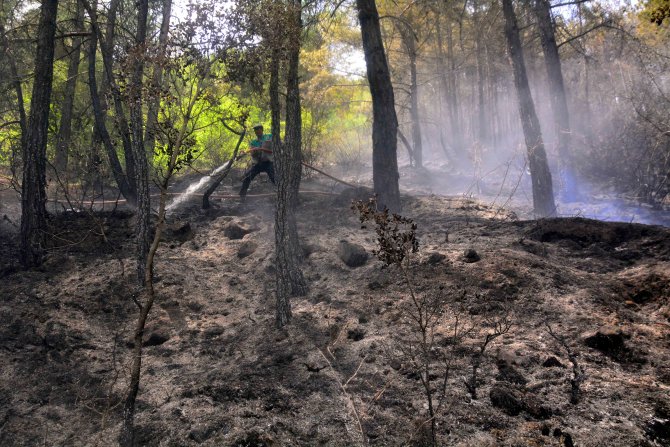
[{"x": 217, "y": 372}]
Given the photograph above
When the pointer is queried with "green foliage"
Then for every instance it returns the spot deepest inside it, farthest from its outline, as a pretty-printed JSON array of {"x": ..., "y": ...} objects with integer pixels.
[
  {"x": 187, "y": 150},
  {"x": 656, "y": 11},
  {"x": 10, "y": 136}
]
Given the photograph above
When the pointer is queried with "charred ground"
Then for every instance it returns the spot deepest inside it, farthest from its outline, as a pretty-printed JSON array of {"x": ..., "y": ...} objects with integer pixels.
[{"x": 217, "y": 372}]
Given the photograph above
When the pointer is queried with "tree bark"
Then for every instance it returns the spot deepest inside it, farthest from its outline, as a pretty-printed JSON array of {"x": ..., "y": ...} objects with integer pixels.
[
  {"x": 283, "y": 292},
  {"x": 543, "y": 195},
  {"x": 288, "y": 163},
  {"x": 99, "y": 113},
  {"x": 137, "y": 129},
  {"x": 33, "y": 187},
  {"x": 449, "y": 87},
  {"x": 65, "y": 128},
  {"x": 144, "y": 263},
  {"x": 16, "y": 84},
  {"x": 482, "y": 125},
  {"x": 157, "y": 79},
  {"x": 119, "y": 114},
  {"x": 385, "y": 122},
  {"x": 559, "y": 103},
  {"x": 408, "y": 38},
  {"x": 408, "y": 146},
  {"x": 219, "y": 178},
  {"x": 107, "y": 47},
  {"x": 586, "y": 115},
  {"x": 127, "y": 435}
]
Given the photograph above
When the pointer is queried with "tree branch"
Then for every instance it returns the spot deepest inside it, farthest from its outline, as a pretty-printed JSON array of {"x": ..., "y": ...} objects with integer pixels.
[{"x": 606, "y": 23}]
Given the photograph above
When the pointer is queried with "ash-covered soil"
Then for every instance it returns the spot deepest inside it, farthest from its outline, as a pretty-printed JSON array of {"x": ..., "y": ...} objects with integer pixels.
[{"x": 217, "y": 372}]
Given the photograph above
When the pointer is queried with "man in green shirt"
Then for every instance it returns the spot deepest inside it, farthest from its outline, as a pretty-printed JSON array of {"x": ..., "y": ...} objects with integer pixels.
[{"x": 261, "y": 153}]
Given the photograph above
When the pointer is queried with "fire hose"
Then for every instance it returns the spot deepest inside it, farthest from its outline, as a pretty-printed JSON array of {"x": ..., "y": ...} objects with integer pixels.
[
  {"x": 210, "y": 191},
  {"x": 267, "y": 151}
]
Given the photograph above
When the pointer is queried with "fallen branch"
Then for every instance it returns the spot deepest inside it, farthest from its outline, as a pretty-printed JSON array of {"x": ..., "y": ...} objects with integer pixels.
[{"x": 343, "y": 387}]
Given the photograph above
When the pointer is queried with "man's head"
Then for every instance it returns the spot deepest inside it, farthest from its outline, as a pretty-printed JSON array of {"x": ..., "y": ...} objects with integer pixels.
[{"x": 258, "y": 129}]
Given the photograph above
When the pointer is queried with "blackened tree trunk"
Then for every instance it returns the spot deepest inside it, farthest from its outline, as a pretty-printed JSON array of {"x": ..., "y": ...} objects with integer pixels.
[
  {"x": 447, "y": 68},
  {"x": 482, "y": 123},
  {"x": 559, "y": 103},
  {"x": 283, "y": 292},
  {"x": 586, "y": 114},
  {"x": 16, "y": 84},
  {"x": 124, "y": 181},
  {"x": 223, "y": 174},
  {"x": 494, "y": 111},
  {"x": 408, "y": 146},
  {"x": 127, "y": 435},
  {"x": 122, "y": 126},
  {"x": 385, "y": 122},
  {"x": 288, "y": 162},
  {"x": 144, "y": 273},
  {"x": 543, "y": 194},
  {"x": 99, "y": 109},
  {"x": 33, "y": 187},
  {"x": 157, "y": 79},
  {"x": 65, "y": 128},
  {"x": 106, "y": 49},
  {"x": 137, "y": 129},
  {"x": 409, "y": 40}
]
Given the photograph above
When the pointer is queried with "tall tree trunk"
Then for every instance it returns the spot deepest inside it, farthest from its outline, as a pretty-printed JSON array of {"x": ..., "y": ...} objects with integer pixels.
[
  {"x": 587, "y": 126},
  {"x": 408, "y": 38},
  {"x": 144, "y": 268},
  {"x": 137, "y": 129},
  {"x": 449, "y": 86},
  {"x": 453, "y": 102},
  {"x": 543, "y": 194},
  {"x": 288, "y": 162},
  {"x": 494, "y": 112},
  {"x": 283, "y": 292},
  {"x": 119, "y": 113},
  {"x": 65, "y": 128},
  {"x": 275, "y": 110},
  {"x": 157, "y": 79},
  {"x": 448, "y": 149},
  {"x": 33, "y": 187},
  {"x": 107, "y": 47},
  {"x": 16, "y": 84},
  {"x": 482, "y": 125},
  {"x": 559, "y": 103},
  {"x": 408, "y": 146},
  {"x": 385, "y": 122},
  {"x": 223, "y": 174},
  {"x": 97, "y": 139},
  {"x": 99, "y": 111}
]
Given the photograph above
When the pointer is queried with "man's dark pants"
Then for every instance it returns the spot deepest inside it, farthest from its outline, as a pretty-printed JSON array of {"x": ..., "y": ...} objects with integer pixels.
[{"x": 262, "y": 166}]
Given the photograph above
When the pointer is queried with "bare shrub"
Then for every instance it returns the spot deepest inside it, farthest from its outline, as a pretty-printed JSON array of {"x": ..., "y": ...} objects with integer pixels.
[
  {"x": 429, "y": 349},
  {"x": 498, "y": 326},
  {"x": 578, "y": 374}
]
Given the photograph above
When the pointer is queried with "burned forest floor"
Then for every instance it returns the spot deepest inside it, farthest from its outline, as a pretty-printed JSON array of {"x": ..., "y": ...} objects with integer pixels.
[{"x": 538, "y": 306}]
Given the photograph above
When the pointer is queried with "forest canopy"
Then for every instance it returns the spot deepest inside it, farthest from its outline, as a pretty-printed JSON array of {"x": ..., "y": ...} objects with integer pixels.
[{"x": 203, "y": 70}]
